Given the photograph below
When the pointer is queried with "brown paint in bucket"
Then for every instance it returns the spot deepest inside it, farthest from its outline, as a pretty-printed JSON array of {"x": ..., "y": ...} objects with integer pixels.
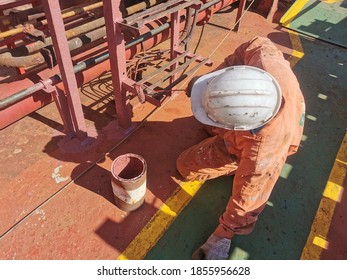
[{"x": 129, "y": 174}]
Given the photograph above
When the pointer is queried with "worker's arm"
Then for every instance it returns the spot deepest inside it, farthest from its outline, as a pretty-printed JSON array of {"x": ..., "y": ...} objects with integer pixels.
[{"x": 258, "y": 171}]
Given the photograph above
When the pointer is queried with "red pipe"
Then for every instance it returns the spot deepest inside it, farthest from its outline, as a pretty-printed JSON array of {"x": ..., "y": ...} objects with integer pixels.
[{"x": 41, "y": 98}]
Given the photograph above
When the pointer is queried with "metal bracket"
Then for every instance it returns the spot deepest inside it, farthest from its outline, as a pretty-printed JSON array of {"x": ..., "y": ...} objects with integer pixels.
[
  {"x": 49, "y": 56},
  {"x": 140, "y": 93},
  {"x": 137, "y": 89},
  {"x": 34, "y": 34},
  {"x": 134, "y": 88},
  {"x": 148, "y": 89},
  {"x": 138, "y": 20},
  {"x": 47, "y": 86}
]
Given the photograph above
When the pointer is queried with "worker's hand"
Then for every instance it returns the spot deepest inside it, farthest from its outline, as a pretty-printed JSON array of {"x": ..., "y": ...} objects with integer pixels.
[
  {"x": 190, "y": 85},
  {"x": 215, "y": 248}
]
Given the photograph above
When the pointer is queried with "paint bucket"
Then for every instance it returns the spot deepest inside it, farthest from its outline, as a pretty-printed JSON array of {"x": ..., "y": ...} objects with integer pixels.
[{"x": 129, "y": 174}]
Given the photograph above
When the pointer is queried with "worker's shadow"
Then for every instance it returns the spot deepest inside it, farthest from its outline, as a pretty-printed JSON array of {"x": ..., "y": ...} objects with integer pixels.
[{"x": 158, "y": 142}]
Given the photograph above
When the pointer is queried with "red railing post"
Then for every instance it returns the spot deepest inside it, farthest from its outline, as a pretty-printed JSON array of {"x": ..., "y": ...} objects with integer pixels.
[
  {"x": 116, "y": 46},
  {"x": 57, "y": 31}
]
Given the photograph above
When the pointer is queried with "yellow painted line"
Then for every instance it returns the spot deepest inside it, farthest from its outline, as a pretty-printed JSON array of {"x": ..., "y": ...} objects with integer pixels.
[
  {"x": 160, "y": 222},
  {"x": 341, "y": 161},
  {"x": 332, "y": 1},
  {"x": 320, "y": 242},
  {"x": 317, "y": 239},
  {"x": 333, "y": 191},
  {"x": 292, "y": 12},
  {"x": 298, "y": 51}
]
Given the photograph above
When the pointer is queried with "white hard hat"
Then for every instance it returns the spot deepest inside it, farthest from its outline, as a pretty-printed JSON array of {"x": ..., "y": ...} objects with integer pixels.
[{"x": 236, "y": 98}]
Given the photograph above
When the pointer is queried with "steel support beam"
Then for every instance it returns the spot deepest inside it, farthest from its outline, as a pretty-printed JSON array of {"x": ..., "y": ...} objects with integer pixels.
[
  {"x": 175, "y": 30},
  {"x": 116, "y": 46},
  {"x": 57, "y": 30},
  {"x": 240, "y": 11}
]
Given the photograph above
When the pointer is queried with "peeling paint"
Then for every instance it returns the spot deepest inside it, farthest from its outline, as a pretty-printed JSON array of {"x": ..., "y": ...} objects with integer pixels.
[
  {"x": 42, "y": 214},
  {"x": 57, "y": 177}
]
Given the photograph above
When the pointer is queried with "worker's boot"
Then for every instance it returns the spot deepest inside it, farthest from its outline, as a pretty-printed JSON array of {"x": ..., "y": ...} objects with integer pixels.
[{"x": 215, "y": 248}]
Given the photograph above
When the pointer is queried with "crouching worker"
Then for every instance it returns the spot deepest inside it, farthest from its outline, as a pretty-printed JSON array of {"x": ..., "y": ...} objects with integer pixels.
[{"x": 255, "y": 114}]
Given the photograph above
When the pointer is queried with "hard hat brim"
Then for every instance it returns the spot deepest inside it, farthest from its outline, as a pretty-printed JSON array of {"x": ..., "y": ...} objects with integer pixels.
[{"x": 196, "y": 98}]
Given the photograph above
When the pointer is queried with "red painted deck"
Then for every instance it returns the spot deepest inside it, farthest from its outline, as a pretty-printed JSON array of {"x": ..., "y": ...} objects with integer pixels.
[{"x": 56, "y": 199}]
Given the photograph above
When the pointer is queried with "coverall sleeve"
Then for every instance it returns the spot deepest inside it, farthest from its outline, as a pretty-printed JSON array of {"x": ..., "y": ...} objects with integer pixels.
[{"x": 258, "y": 171}]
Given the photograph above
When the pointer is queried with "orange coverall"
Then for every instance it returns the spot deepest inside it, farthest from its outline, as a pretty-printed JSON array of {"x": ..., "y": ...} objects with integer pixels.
[{"x": 254, "y": 157}]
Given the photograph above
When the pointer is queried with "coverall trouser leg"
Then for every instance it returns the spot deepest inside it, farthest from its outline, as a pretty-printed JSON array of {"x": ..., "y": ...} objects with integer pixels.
[{"x": 207, "y": 160}]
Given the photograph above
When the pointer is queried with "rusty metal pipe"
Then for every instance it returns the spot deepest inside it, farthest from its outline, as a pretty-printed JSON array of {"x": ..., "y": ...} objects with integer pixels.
[
  {"x": 14, "y": 98},
  {"x": 35, "y": 46},
  {"x": 11, "y": 5},
  {"x": 44, "y": 22},
  {"x": 38, "y": 58},
  {"x": 211, "y": 3},
  {"x": 17, "y": 18},
  {"x": 79, "y": 10},
  {"x": 10, "y": 114},
  {"x": 12, "y": 58},
  {"x": 22, "y": 16}
]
